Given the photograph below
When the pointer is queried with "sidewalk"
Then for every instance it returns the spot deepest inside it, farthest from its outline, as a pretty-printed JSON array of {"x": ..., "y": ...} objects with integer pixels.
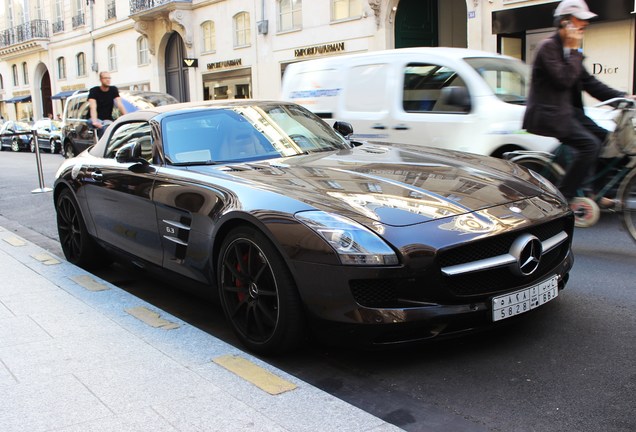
[{"x": 79, "y": 354}]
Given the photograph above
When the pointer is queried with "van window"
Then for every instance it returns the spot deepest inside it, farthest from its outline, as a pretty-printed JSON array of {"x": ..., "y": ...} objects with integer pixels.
[
  {"x": 366, "y": 86},
  {"x": 508, "y": 78},
  {"x": 423, "y": 84}
]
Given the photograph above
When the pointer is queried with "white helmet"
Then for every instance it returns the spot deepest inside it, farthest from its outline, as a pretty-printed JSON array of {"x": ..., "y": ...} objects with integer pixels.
[{"x": 576, "y": 8}]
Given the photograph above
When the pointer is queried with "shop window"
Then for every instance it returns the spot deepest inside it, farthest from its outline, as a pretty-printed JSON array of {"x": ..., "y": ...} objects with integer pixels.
[
  {"x": 345, "y": 9},
  {"x": 25, "y": 73},
  {"x": 242, "y": 91},
  {"x": 208, "y": 34},
  {"x": 112, "y": 58},
  {"x": 61, "y": 68},
  {"x": 242, "y": 33},
  {"x": 220, "y": 92},
  {"x": 143, "y": 57},
  {"x": 289, "y": 15},
  {"x": 81, "y": 64},
  {"x": 14, "y": 71},
  {"x": 1, "y": 82}
]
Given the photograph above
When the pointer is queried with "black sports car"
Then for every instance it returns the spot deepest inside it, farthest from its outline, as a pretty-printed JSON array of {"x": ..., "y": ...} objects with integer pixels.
[{"x": 298, "y": 228}]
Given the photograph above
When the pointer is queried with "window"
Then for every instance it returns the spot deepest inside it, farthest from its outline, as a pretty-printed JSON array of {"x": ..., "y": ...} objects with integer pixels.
[
  {"x": 59, "y": 9},
  {"x": 25, "y": 73},
  {"x": 1, "y": 83},
  {"x": 424, "y": 88},
  {"x": 81, "y": 64},
  {"x": 128, "y": 133},
  {"x": 39, "y": 14},
  {"x": 209, "y": 36},
  {"x": 61, "y": 68},
  {"x": 343, "y": 9},
  {"x": 14, "y": 71},
  {"x": 242, "y": 29},
  {"x": 289, "y": 15},
  {"x": 143, "y": 58},
  {"x": 112, "y": 58}
]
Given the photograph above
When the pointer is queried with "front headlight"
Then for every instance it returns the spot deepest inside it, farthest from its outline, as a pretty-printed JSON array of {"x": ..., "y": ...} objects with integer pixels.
[
  {"x": 547, "y": 185},
  {"x": 355, "y": 244}
]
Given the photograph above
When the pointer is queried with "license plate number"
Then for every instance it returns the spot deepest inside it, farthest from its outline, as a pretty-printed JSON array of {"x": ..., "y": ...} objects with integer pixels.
[{"x": 524, "y": 300}]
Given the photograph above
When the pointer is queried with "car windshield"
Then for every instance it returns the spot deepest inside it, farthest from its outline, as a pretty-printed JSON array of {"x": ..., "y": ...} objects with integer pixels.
[
  {"x": 246, "y": 133},
  {"x": 21, "y": 127},
  {"x": 508, "y": 78}
]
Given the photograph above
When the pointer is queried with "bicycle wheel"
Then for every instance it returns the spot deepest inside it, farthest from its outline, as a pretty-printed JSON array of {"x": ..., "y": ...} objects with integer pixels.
[
  {"x": 541, "y": 165},
  {"x": 627, "y": 204}
]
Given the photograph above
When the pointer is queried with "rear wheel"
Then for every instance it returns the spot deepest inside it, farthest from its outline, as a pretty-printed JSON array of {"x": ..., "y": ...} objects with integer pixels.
[
  {"x": 68, "y": 151},
  {"x": 32, "y": 145},
  {"x": 586, "y": 211},
  {"x": 258, "y": 294},
  {"x": 627, "y": 203},
  {"x": 77, "y": 244},
  {"x": 53, "y": 147}
]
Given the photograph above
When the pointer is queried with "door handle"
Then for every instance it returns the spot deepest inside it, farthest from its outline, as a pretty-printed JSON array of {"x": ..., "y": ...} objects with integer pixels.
[
  {"x": 401, "y": 127},
  {"x": 378, "y": 126},
  {"x": 97, "y": 176}
]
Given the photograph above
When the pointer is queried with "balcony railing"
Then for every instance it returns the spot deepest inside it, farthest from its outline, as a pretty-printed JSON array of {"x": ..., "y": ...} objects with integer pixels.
[
  {"x": 58, "y": 26},
  {"x": 111, "y": 10},
  {"x": 36, "y": 29},
  {"x": 78, "y": 20},
  {"x": 137, "y": 6}
]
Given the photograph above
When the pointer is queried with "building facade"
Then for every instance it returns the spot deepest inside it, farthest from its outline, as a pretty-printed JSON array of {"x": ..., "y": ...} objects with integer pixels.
[{"x": 227, "y": 49}]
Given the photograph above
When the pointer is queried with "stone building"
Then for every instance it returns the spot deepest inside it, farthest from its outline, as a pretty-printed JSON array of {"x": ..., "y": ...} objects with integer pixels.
[{"x": 225, "y": 49}]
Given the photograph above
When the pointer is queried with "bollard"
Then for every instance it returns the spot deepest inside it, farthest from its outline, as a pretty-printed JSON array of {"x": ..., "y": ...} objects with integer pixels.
[{"x": 38, "y": 159}]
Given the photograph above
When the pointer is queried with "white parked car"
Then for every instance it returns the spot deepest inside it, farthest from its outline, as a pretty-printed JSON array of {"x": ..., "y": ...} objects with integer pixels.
[{"x": 449, "y": 98}]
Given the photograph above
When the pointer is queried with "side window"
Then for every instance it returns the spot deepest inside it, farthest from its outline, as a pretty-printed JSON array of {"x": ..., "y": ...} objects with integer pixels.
[
  {"x": 423, "y": 84},
  {"x": 129, "y": 133}
]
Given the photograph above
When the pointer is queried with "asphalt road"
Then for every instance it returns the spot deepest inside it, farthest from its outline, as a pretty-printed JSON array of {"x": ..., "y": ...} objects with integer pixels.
[{"x": 570, "y": 366}]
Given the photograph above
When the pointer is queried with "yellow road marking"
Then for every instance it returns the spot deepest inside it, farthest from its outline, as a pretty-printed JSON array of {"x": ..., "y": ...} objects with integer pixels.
[
  {"x": 15, "y": 241},
  {"x": 45, "y": 259},
  {"x": 151, "y": 318},
  {"x": 261, "y": 378},
  {"x": 89, "y": 283}
]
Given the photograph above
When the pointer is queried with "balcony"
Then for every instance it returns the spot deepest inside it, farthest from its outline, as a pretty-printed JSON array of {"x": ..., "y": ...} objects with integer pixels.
[
  {"x": 78, "y": 20},
  {"x": 140, "y": 6},
  {"x": 58, "y": 26},
  {"x": 30, "y": 31},
  {"x": 111, "y": 10}
]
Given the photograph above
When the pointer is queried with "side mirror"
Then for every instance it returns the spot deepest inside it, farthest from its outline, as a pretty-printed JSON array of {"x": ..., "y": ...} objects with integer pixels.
[
  {"x": 456, "y": 96},
  {"x": 130, "y": 152},
  {"x": 343, "y": 128}
]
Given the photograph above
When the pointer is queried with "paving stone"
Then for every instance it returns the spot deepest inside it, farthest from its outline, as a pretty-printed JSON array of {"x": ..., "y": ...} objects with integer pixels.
[{"x": 19, "y": 330}]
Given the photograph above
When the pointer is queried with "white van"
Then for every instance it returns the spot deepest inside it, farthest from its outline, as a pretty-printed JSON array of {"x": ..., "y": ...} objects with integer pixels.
[{"x": 451, "y": 98}]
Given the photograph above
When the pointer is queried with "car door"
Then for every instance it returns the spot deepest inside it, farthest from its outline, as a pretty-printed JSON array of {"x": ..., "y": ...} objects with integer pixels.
[
  {"x": 422, "y": 115},
  {"x": 119, "y": 195}
]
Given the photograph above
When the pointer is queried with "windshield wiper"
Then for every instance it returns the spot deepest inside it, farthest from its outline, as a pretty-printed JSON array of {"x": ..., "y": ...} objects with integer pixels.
[{"x": 194, "y": 163}]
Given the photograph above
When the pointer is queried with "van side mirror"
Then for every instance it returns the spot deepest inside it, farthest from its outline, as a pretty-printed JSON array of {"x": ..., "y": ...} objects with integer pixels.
[
  {"x": 456, "y": 96},
  {"x": 343, "y": 128}
]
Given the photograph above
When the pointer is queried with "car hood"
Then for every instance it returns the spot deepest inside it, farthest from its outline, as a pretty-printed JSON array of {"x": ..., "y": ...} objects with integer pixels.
[{"x": 395, "y": 185}]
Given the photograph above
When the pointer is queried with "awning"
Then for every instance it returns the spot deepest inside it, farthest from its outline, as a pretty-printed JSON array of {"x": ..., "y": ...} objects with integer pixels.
[
  {"x": 63, "y": 95},
  {"x": 19, "y": 99}
]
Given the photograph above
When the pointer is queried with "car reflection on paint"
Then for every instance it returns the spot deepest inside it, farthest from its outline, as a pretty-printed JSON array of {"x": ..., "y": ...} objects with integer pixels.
[
  {"x": 300, "y": 231},
  {"x": 49, "y": 135}
]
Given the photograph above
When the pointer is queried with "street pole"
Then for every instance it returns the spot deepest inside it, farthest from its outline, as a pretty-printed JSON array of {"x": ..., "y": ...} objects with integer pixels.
[{"x": 38, "y": 159}]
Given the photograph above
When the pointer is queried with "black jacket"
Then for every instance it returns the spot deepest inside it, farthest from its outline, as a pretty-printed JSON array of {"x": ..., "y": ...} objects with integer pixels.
[{"x": 555, "y": 90}]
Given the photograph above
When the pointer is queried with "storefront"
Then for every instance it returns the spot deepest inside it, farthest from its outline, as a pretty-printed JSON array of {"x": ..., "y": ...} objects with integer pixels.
[
  {"x": 608, "y": 45},
  {"x": 227, "y": 79}
]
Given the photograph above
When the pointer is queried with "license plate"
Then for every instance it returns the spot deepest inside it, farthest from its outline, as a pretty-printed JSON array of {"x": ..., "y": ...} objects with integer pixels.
[{"x": 524, "y": 300}]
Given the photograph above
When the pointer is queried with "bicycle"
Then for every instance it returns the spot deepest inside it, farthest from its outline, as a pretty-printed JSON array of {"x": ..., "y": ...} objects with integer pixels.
[{"x": 615, "y": 175}]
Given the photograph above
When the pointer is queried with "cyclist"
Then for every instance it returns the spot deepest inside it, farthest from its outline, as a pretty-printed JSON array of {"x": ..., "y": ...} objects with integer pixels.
[
  {"x": 101, "y": 100},
  {"x": 555, "y": 103}
]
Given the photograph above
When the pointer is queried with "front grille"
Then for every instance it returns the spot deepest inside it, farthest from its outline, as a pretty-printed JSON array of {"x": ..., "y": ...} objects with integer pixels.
[
  {"x": 387, "y": 293},
  {"x": 501, "y": 279}
]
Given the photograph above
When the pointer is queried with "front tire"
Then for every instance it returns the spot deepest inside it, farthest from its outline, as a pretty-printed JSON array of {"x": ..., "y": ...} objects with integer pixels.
[
  {"x": 53, "y": 148},
  {"x": 258, "y": 294},
  {"x": 31, "y": 146},
  {"x": 15, "y": 145},
  {"x": 77, "y": 244},
  {"x": 627, "y": 203},
  {"x": 68, "y": 151}
]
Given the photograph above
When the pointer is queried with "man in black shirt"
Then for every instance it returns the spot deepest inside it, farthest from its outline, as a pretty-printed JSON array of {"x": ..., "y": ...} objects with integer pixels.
[{"x": 101, "y": 100}]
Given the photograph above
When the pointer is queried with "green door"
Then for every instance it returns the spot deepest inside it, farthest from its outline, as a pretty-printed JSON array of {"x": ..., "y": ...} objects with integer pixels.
[{"x": 416, "y": 24}]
